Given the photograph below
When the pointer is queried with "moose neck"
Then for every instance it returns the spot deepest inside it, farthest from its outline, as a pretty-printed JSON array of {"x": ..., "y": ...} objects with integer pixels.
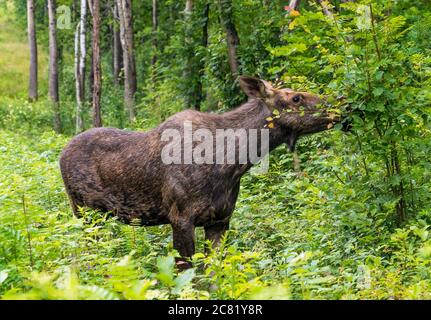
[{"x": 253, "y": 115}]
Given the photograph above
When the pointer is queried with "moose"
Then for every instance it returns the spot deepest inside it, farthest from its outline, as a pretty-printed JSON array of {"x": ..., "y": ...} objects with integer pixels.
[{"x": 122, "y": 172}]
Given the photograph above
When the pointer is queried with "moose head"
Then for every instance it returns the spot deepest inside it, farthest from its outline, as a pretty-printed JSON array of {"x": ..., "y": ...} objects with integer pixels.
[{"x": 296, "y": 112}]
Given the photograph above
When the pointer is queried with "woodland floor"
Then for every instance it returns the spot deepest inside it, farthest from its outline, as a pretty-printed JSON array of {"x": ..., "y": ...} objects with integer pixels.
[{"x": 304, "y": 236}]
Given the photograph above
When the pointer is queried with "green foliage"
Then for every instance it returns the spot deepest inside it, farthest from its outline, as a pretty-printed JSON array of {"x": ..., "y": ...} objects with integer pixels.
[
  {"x": 377, "y": 63},
  {"x": 300, "y": 237},
  {"x": 354, "y": 223}
]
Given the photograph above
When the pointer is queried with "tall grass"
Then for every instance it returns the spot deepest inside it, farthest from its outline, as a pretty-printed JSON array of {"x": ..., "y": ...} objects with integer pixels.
[{"x": 14, "y": 59}]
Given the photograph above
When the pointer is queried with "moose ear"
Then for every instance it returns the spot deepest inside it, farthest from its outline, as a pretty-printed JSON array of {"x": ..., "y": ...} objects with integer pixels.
[{"x": 254, "y": 87}]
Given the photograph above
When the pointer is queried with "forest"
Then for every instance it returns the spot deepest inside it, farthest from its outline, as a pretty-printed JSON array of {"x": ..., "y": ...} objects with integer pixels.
[{"x": 346, "y": 215}]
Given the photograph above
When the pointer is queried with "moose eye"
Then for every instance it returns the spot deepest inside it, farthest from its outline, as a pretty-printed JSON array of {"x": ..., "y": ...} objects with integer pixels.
[{"x": 296, "y": 98}]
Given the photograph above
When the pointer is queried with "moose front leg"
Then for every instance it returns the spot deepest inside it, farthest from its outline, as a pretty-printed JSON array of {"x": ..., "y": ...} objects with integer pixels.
[
  {"x": 184, "y": 243},
  {"x": 215, "y": 231}
]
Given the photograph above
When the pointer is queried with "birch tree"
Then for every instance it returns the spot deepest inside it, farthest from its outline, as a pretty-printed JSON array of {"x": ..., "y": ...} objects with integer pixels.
[
  {"x": 32, "y": 88},
  {"x": 126, "y": 35},
  {"x": 78, "y": 119},
  {"x": 53, "y": 65},
  {"x": 80, "y": 57},
  {"x": 154, "y": 35},
  {"x": 325, "y": 8},
  {"x": 117, "y": 50},
  {"x": 294, "y": 4}
]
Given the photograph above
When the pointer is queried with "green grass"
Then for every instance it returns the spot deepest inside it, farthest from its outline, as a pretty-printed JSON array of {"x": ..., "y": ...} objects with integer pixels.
[
  {"x": 40, "y": 238},
  {"x": 287, "y": 240},
  {"x": 14, "y": 59},
  {"x": 328, "y": 233}
]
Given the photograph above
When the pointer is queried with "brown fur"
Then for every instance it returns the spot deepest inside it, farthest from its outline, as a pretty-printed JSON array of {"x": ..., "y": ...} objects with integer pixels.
[{"x": 122, "y": 172}]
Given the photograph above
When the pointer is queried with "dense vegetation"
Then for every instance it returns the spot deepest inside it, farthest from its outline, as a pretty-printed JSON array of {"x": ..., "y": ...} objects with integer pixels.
[{"x": 352, "y": 223}]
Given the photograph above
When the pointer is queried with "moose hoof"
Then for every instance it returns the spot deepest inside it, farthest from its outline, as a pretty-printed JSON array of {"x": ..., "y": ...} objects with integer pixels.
[{"x": 183, "y": 265}]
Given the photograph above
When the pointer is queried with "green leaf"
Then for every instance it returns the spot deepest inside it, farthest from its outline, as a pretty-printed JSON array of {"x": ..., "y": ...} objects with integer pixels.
[
  {"x": 3, "y": 276},
  {"x": 394, "y": 180},
  {"x": 378, "y": 75},
  {"x": 289, "y": 49},
  {"x": 378, "y": 91},
  {"x": 166, "y": 270},
  {"x": 183, "y": 279},
  {"x": 425, "y": 251}
]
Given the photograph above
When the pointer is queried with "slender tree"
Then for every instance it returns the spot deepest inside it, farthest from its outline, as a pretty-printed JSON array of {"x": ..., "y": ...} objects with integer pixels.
[
  {"x": 195, "y": 65},
  {"x": 78, "y": 119},
  {"x": 82, "y": 47},
  {"x": 32, "y": 88},
  {"x": 294, "y": 4},
  {"x": 189, "y": 55},
  {"x": 232, "y": 39},
  {"x": 201, "y": 63},
  {"x": 117, "y": 50},
  {"x": 154, "y": 35},
  {"x": 80, "y": 57},
  {"x": 189, "y": 7},
  {"x": 325, "y": 8},
  {"x": 90, "y": 77},
  {"x": 53, "y": 64},
  {"x": 97, "y": 70},
  {"x": 126, "y": 33}
]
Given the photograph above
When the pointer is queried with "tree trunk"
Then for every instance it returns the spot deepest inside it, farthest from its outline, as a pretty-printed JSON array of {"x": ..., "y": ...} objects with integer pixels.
[
  {"x": 97, "y": 70},
  {"x": 399, "y": 189},
  {"x": 189, "y": 7},
  {"x": 194, "y": 68},
  {"x": 189, "y": 93},
  {"x": 117, "y": 51},
  {"x": 32, "y": 87},
  {"x": 78, "y": 118},
  {"x": 126, "y": 34},
  {"x": 90, "y": 71},
  {"x": 80, "y": 55},
  {"x": 325, "y": 8},
  {"x": 82, "y": 47},
  {"x": 155, "y": 26},
  {"x": 294, "y": 4},
  {"x": 204, "y": 41},
  {"x": 53, "y": 65},
  {"x": 90, "y": 75},
  {"x": 232, "y": 39},
  {"x": 201, "y": 63}
]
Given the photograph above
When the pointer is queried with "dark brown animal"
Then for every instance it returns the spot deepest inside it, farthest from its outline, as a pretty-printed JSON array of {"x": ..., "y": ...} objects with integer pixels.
[{"x": 122, "y": 172}]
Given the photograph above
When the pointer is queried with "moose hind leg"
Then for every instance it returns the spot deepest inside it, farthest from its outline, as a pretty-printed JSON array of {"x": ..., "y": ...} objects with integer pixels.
[
  {"x": 184, "y": 242},
  {"x": 214, "y": 232}
]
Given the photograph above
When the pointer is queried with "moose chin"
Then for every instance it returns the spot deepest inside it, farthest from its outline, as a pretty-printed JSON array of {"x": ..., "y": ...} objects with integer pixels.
[{"x": 123, "y": 172}]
